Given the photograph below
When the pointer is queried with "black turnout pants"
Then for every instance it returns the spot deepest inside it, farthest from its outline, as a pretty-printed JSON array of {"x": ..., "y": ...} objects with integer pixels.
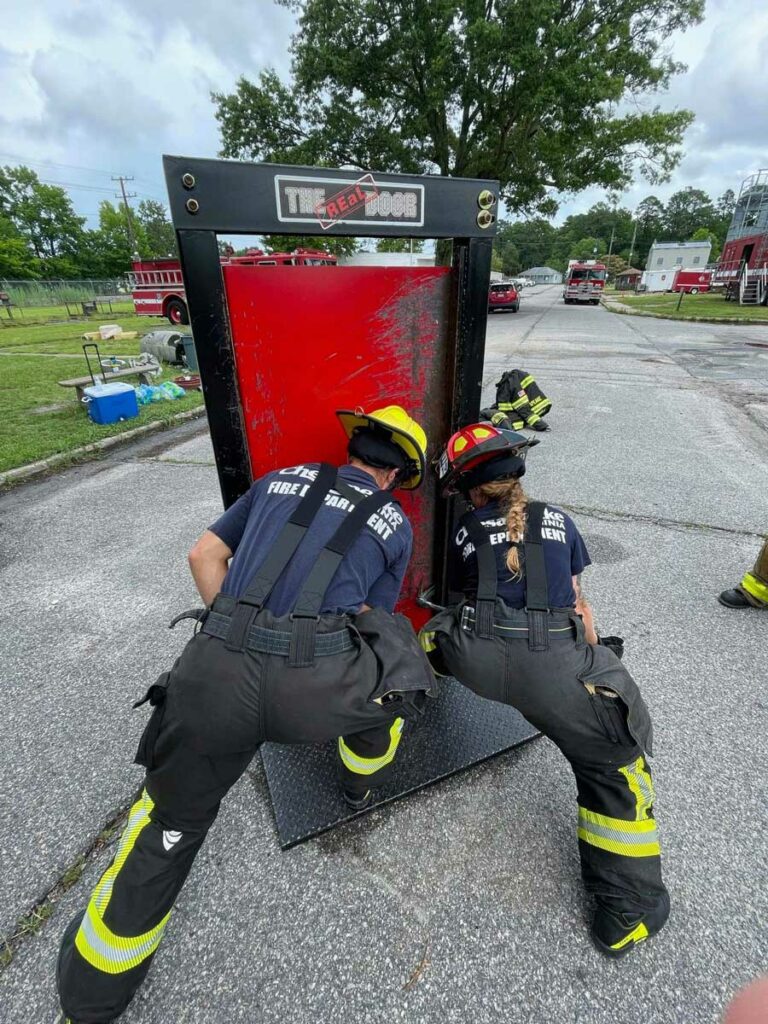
[
  {"x": 198, "y": 744},
  {"x": 556, "y": 692},
  {"x": 618, "y": 840}
]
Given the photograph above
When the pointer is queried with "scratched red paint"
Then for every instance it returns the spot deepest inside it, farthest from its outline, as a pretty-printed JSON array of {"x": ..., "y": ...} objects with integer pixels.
[{"x": 310, "y": 340}]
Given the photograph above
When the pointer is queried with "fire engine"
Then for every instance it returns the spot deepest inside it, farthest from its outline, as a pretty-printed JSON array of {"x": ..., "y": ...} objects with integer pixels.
[
  {"x": 584, "y": 281},
  {"x": 157, "y": 286}
]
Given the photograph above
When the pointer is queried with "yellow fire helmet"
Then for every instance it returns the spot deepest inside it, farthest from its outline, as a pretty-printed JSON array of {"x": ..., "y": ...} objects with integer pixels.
[{"x": 393, "y": 421}]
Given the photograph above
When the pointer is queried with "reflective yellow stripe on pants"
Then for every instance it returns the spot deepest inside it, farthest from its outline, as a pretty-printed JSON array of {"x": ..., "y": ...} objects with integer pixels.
[
  {"x": 370, "y": 765},
  {"x": 640, "y": 783},
  {"x": 96, "y": 943},
  {"x": 755, "y": 587},
  {"x": 626, "y": 838}
]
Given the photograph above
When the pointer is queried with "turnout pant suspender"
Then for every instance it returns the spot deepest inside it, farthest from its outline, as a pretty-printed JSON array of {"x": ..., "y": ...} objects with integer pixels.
[
  {"x": 265, "y": 577},
  {"x": 306, "y": 612},
  {"x": 536, "y": 592}
]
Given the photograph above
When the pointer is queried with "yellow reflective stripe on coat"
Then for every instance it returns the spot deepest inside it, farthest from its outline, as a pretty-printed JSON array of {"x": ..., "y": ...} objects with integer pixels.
[
  {"x": 639, "y": 933},
  {"x": 526, "y": 381},
  {"x": 616, "y": 835},
  {"x": 98, "y": 944},
  {"x": 755, "y": 587},
  {"x": 427, "y": 640},
  {"x": 640, "y": 783},
  {"x": 368, "y": 765}
]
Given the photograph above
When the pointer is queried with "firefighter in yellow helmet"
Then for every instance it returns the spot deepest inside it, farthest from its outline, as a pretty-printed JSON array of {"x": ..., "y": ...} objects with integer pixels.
[{"x": 297, "y": 644}]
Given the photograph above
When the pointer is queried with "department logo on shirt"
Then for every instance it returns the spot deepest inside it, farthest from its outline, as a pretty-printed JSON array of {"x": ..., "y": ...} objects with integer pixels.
[{"x": 553, "y": 526}]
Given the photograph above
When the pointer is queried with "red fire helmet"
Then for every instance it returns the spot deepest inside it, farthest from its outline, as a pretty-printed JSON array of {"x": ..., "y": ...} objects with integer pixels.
[{"x": 476, "y": 444}]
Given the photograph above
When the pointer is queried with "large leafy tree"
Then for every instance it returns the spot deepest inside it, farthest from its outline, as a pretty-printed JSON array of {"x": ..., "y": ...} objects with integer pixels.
[
  {"x": 43, "y": 216},
  {"x": 526, "y": 243},
  {"x": 528, "y": 91},
  {"x": 158, "y": 230},
  {"x": 686, "y": 212}
]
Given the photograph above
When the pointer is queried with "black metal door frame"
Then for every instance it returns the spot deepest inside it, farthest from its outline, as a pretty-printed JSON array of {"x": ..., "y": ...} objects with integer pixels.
[{"x": 212, "y": 197}]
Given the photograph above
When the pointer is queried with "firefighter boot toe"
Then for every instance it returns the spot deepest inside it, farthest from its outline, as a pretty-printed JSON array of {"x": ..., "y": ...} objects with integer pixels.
[
  {"x": 356, "y": 801},
  {"x": 734, "y": 599},
  {"x": 615, "y": 932},
  {"x": 540, "y": 425}
]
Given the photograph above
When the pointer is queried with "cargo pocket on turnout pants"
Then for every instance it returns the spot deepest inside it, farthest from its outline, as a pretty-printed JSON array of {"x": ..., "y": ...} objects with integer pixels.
[
  {"x": 156, "y": 695},
  {"x": 616, "y": 700}
]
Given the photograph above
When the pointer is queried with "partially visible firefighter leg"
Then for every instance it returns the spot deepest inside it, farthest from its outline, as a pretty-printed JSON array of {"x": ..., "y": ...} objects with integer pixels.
[
  {"x": 366, "y": 760},
  {"x": 620, "y": 853},
  {"x": 107, "y": 950},
  {"x": 752, "y": 592}
]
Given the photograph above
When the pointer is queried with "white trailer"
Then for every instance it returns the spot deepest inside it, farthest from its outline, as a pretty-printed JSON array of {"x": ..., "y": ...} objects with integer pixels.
[{"x": 657, "y": 280}]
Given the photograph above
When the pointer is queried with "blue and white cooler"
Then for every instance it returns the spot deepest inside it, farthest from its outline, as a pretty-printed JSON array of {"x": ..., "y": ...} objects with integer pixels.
[{"x": 108, "y": 403}]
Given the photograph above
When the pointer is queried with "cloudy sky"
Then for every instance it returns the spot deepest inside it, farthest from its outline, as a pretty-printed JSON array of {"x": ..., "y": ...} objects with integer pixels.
[{"x": 94, "y": 89}]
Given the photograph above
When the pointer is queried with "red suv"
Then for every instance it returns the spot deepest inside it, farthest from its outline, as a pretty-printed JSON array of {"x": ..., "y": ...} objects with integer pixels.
[{"x": 503, "y": 296}]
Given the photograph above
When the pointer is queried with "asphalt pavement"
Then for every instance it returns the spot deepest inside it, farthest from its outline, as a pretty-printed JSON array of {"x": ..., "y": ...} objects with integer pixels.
[{"x": 463, "y": 902}]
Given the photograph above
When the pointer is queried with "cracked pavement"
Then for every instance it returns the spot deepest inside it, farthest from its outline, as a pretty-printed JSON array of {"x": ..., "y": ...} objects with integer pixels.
[{"x": 462, "y": 902}]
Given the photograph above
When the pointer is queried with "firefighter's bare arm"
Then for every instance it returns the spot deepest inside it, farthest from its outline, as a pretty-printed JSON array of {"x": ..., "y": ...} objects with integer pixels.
[
  {"x": 208, "y": 563},
  {"x": 584, "y": 609}
]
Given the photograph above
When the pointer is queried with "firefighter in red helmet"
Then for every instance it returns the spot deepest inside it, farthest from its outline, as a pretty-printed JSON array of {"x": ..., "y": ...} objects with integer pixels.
[{"x": 523, "y": 635}]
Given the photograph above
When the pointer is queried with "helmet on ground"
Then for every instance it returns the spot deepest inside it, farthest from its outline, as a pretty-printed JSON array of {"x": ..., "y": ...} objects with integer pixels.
[
  {"x": 480, "y": 453},
  {"x": 387, "y": 438}
]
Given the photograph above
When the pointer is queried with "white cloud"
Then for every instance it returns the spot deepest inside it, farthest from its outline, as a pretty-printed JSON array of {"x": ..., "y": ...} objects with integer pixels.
[{"x": 113, "y": 85}]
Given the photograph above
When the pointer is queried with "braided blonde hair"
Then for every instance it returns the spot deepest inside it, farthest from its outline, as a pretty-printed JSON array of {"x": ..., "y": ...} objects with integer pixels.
[{"x": 513, "y": 501}]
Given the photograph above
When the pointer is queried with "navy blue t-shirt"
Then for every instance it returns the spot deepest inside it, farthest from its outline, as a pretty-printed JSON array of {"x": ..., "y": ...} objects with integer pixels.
[
  {"x": 370, "y": 573},
  {"x": 565, "y": 555}
]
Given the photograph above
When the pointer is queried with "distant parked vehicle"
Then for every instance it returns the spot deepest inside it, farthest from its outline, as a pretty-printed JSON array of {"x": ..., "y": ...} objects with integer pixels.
[
  {"x": 503, "y": 296},
  {"x": 692, "y": 281}
]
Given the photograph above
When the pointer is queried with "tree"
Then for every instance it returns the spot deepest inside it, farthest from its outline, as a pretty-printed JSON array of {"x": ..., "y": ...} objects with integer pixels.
[
  {"x": 724, "y": 208},
  {"x": 688, "y": 210},
  {"x": 587, "y": 249},
  {"x": 603, "y": 220},
  {"x": 706, "y": 235},
  {"x": 42, "y": 214},
  {"x": 650, "y": 220},
  {"x": 399, "y": 245},
  {"x": 528, "y": 243},
  {"x": 17, "y": 261},
  {"x": 333, "y": 244},
  {"x": 160, "y": 236},
  {"x": 110, "y": 252},
  {"x": 527, "y": 91}
]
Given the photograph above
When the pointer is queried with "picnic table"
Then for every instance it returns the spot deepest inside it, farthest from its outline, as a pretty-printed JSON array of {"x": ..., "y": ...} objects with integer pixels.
[{"x": 143, "y": 371}]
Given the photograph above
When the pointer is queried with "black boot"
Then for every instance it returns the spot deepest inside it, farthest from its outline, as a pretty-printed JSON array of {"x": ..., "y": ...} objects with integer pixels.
[
  {"x": 615, "y": 932},
  {"x": 734, "y": 599},
  {"x": 357, "y": 802}
]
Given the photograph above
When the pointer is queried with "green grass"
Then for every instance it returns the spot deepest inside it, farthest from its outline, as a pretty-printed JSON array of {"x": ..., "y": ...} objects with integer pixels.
[
  {"x": 28, "y": 381},
  {"x": 43, "y": 314},
  {"x": 67, "y": 336},
  {"x": 706, "y": 304}
]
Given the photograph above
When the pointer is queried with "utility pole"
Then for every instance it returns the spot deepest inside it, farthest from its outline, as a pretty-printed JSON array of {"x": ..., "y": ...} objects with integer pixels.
[
  {"x": 632, "y": 246},
  {"x": 610, "y": 247},
  {"x": 129, "y": 223}
]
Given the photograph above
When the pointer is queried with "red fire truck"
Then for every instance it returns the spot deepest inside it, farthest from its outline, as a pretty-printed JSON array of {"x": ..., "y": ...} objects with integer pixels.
[
  {"x": 584, "y": 281},
  {"x": 157, "y": 286}
]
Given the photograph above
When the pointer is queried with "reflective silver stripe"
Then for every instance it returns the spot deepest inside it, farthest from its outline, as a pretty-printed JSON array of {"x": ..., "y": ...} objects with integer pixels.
[
  {"x": 114, "y": 954},
  {"x": 631, "y": 838}
]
